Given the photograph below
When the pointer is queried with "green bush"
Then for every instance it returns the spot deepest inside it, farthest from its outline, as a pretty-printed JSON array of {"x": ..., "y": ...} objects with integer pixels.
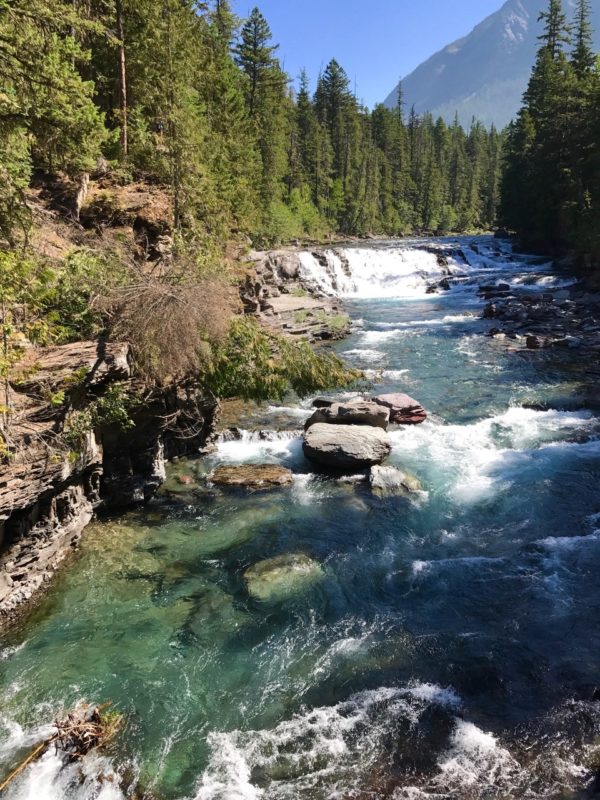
[{"x": 257, "y": 365}]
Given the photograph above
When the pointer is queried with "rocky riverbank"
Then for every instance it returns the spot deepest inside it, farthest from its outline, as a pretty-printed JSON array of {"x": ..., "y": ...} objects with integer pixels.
[
  {"x": 50, "y": 487},
  {"x": 277, "y": 294},
  {"x": 563, "y": 319}
]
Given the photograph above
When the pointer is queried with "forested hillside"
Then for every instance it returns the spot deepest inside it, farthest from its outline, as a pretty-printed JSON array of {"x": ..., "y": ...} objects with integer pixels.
[
  {"x": 184, "y": 94},
  {"x": 551, "y": 188}
]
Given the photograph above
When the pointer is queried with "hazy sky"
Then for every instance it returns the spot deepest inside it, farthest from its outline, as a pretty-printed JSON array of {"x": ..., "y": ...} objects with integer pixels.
[{"x": 376, "y": 41}]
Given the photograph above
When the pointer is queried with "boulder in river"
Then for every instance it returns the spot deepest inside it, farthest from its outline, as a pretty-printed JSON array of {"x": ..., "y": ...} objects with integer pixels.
[
  {"x": 252, "y": 476},
  {"x": 346, "y": 447},
  {"x": 282, "y": 577},
  {"x": 403, "y": 409},
  {"x": 533, "y": 342},
  {"x": 322, "y": 402},
  {"x": 357, "y": 412},
  {"x": 390, "y": 480}
]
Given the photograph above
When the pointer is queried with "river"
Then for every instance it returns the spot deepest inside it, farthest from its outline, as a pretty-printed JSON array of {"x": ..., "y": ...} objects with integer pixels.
[{"x": 451, "y": 648}]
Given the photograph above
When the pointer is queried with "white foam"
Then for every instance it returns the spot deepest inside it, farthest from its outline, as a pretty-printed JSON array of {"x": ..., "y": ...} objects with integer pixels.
[
  {"x": 475, "y": 758},
  {"x": 365, "y": 355},
  {"x": 565, "y": 543},
  {"x": 251, "y": 446},
  {"x": 49, "y": 778},
  {"x": 373, "y": 337},
  {"x": 327, "y": 747},
  {"x": 291, "y": 411},
  {"x": 380, "y": 375},
  {"x": 469, "y": 455},
  {"x": 303, "y": 489},
  {"x": 398, "y": 272}
]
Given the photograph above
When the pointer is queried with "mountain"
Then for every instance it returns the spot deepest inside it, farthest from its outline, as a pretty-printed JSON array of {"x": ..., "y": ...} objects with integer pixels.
[{"x": 484, "y": 74}]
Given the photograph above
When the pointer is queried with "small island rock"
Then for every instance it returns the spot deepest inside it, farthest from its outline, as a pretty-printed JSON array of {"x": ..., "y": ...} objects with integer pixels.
[
  {"x": 404, "y": 410},
  {"x": 362, "y": 412},
  {"x": 390, "y": 480}
]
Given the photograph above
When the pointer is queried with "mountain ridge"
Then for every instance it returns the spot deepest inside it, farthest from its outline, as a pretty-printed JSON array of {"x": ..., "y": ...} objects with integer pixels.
[{"x": 482, "y": 75}]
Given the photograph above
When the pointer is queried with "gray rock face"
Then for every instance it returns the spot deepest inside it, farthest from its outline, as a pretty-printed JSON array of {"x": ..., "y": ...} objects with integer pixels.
[
  {"x": 362, "y": 412},
  {"x": 346, "y": 447}
]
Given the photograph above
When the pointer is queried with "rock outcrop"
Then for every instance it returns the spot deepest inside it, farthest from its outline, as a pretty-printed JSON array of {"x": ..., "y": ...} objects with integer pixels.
[
  {"x": 346, "y": 447},
  {"x": 276, "y": 294},
  {"x": 48, "y": 492},
  {"x": 402, "y": 408},
  {"x": 252, "y": 476}
]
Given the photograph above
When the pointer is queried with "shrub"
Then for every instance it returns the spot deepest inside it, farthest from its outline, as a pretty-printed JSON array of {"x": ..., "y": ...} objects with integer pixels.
[
  {"x": 170, "y": 318},
  {"x": 258, "y": 365}
]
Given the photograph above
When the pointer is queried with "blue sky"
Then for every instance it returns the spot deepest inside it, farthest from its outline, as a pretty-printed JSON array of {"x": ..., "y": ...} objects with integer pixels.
[{"x": 376, "y": 41}]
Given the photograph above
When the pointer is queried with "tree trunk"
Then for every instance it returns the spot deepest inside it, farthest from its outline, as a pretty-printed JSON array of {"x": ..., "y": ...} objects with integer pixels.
[
  {"x": 122, "y": 76},
  {"x": 84, "y": 183}
]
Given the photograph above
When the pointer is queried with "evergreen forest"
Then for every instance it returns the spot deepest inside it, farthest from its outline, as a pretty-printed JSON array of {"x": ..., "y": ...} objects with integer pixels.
[{"x": 185, "y": 94}]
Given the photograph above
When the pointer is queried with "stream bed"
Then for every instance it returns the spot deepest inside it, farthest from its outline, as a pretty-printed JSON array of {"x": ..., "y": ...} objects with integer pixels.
[{"x": 450, "y": 647}]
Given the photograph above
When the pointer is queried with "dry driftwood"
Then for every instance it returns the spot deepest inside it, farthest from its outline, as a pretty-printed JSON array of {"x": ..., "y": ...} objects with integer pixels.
[{"x": 83, "y": 729}]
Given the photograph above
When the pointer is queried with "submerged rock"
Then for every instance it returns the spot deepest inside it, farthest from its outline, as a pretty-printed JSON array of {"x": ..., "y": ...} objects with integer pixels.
[
  {"x": 252, "y": 476},
  {"x": 404, "y": 410},
  {"x": 346, "y": 447},
  {"x": 361, "y": 412},
  {"x": 283, "y": 576},
  {"x": 215, "y": 615},
  {"x": 389, "y": 480}
]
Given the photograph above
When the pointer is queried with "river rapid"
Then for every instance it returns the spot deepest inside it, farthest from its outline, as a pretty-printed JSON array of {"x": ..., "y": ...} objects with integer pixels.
[{"x": 451, "y": 648}]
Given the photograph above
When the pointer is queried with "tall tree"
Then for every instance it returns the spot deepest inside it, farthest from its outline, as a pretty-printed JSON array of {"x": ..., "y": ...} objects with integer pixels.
[
  {"x": 583, "y": 58},
  {"x": 255, "y": 55}
]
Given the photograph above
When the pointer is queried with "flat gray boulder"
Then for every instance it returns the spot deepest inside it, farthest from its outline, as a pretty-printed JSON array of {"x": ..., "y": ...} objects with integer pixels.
[
  {"x": 356, "y": 412},
  {"x": 346, "y": 447}
]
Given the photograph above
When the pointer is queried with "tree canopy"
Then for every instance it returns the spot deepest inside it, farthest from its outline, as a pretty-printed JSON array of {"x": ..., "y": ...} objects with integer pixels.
[{"x": 551, "y": 182}]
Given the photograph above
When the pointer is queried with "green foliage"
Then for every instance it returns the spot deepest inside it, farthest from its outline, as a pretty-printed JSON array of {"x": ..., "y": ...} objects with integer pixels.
[
  {"x": 204, "y": 106},
  {"x": 112, "y": 409},
  {"x": 257, "y": 365},
  {"x": 48, "y": 118},
  {"x": 337, "y": 323},
  {"x": 551, "y": 186},
  {"x": 46, "y": 303}
]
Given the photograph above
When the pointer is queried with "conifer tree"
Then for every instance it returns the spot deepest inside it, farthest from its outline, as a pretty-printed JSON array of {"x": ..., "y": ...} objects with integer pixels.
[{"x": 255, "y": 55}]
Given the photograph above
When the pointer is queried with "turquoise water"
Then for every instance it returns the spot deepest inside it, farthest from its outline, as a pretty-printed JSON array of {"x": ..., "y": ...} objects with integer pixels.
[{"x": 448, "y": 649}]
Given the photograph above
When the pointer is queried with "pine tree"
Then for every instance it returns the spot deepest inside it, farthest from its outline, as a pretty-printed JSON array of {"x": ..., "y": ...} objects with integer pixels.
[
  {"x": 556, "y": 30},
  {"x": 583, "y": 58},
  {"x": 550, "y": 181},
  {"x": 255, "y": 55},
  {"x": 48, "y": 118}
]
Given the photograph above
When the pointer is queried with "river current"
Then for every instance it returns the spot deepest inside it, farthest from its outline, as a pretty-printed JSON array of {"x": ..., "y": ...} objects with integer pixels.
[{"x": 452, "y": 647}]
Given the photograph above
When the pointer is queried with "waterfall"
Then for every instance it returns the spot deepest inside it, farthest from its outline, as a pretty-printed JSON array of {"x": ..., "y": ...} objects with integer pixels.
[{"x": 366, "y": 272}]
